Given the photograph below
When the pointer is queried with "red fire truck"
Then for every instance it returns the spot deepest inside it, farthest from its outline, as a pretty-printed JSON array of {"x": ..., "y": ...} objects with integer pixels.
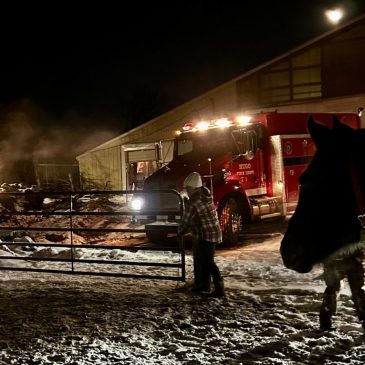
[{"x": 251, "y": 164}]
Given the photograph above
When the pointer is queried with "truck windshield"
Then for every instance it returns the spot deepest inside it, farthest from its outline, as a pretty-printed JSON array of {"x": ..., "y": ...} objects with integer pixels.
[
  {"x": 217, "y": 142},
  {"x": 208, "y": 144},
  {"x": 184, "y": 146},
  {"x": 245, "y": 140}
]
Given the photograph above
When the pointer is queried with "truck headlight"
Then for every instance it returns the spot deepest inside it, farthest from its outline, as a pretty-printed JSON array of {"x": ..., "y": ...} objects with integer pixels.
[{"x": 136, "y": 203}]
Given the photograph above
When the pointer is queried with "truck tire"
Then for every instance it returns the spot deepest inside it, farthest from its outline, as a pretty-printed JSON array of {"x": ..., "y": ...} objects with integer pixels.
[{"x": 231, "y": 220}]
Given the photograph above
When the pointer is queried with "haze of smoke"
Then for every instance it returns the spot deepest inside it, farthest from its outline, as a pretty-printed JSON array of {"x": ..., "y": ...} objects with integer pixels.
[
  {"x": 28, "y": 133},
  {"x": 17, "y": 136},
  {"x": 68, "y": 143}
]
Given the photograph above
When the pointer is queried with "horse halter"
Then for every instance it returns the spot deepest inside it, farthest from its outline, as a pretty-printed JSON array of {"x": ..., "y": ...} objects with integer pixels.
[{"x": 359, "y": 195}]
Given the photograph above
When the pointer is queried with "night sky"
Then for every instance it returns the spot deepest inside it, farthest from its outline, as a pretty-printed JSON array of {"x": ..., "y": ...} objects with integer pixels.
[{"x": 115, "y": 66}]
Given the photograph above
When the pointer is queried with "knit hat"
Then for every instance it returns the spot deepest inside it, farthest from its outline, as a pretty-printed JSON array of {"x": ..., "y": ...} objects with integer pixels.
[{"x": 193, "y": 180}]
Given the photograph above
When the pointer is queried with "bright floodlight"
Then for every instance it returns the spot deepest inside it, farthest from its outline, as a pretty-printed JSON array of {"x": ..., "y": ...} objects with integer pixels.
[{"x": 334, "y": 15}]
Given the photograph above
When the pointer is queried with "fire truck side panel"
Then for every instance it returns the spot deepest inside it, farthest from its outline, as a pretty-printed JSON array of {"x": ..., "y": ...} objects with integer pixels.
[
  {"x": 289, "y": 157},
  {"x": 276, "y": 171},
  {"x": 297, "y": 152},
  {"x": 291, "y": 175}
]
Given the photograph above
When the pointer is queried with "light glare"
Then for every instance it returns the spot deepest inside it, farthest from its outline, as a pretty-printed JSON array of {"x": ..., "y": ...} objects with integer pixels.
[
  {"x": 223, "y": 122},
  {"x": 137, "y": 203},
  {"x": 202, "y": 126},
  {"x": 243, "y": 119}
]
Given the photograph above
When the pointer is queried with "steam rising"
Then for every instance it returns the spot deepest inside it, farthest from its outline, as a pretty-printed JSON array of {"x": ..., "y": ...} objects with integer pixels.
[{"x": 28, "y": 133}]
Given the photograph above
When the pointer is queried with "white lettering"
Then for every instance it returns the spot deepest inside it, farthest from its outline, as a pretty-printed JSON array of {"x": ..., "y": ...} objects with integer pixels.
[{"x": 244, "y": 166}]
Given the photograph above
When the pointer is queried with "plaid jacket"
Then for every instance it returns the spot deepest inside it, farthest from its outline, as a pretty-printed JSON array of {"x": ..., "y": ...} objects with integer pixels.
[{"x": 200, "y": 218}]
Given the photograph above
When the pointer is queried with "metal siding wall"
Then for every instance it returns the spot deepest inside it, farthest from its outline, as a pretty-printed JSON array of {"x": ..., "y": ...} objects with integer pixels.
[
  {"x": 113, "y": 164},
  {"x": 101, "y": 169},
  {"x": 141, "y": 155},
  {"x": 343, "y": 68}
]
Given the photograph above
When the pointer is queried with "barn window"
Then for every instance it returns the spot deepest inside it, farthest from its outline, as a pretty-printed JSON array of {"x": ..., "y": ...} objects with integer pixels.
[{"x": 298, "y": 78}]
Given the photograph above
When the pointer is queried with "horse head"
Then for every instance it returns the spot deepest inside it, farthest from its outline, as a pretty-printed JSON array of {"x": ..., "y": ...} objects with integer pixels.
[{"x": 326, "y": 216}]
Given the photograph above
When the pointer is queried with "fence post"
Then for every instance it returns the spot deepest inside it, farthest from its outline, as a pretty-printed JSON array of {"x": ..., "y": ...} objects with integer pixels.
[{"x": 71, "y": 234}]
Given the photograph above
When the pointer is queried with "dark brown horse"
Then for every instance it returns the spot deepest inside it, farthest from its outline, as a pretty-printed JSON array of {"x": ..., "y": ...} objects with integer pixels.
[{"x": 325, "y": 227}]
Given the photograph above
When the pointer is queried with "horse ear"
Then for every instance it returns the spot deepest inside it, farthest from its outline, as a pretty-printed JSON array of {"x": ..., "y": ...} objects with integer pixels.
[
  {"x": 318, "y": 132},
  {"x": 338, "y": 126}
]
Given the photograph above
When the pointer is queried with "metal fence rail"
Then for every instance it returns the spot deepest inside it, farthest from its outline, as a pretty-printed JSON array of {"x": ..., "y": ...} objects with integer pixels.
[{"x": 90, "y": 225}]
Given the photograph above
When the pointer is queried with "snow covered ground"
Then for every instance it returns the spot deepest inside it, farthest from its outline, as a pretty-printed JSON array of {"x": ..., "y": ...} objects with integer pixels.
[{"x": 270, "y": 316}]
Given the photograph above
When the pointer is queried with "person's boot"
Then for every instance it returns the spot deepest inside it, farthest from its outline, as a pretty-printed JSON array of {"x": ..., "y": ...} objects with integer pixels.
[
  {"x": 200, "y": 289},
  {"x": 218, "y": 291},
  {"x": 201, "y": 285},
  {"x": 328, "y": 308},
  {"x": 325, "y": 321}
]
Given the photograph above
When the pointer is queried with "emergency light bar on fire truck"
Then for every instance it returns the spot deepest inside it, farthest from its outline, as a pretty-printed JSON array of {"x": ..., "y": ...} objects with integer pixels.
[{"x": 218, "y": 123}]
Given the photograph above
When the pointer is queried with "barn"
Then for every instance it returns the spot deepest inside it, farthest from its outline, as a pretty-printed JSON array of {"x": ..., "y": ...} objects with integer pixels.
[{"x": 325, "y": 74}]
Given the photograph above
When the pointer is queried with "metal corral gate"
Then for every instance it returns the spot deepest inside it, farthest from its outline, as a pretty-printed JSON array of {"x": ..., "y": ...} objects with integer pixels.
[{"x": 62, "y": 232}]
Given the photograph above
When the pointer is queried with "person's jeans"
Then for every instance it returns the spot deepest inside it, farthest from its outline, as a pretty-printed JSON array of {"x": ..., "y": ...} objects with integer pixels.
[{"x": 204, "y": 265}]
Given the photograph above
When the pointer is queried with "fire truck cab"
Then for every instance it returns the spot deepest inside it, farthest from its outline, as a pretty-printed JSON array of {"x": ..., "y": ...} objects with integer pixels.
[{"x": 251, "y": 164}]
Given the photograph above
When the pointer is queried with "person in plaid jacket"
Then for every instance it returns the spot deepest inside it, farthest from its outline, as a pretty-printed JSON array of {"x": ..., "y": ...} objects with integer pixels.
[{"x": 201, "y": 219}]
